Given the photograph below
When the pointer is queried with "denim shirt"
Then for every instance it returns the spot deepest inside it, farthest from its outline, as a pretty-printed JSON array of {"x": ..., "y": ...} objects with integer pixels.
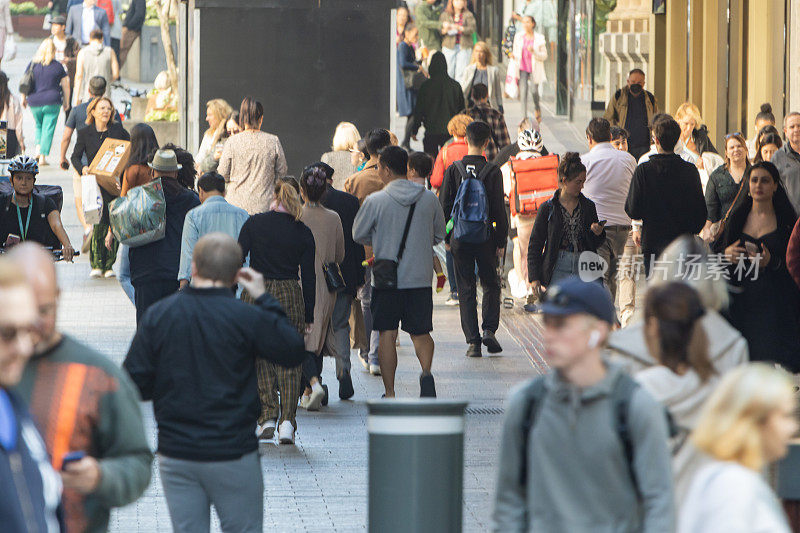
[{"x": 213, "y": 215}]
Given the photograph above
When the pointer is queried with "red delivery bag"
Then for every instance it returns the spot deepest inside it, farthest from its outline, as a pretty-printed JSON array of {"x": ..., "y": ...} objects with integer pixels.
[{"x": 533, "y": 182}]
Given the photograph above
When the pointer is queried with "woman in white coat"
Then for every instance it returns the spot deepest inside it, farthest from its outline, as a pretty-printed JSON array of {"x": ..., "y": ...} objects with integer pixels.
[
  {"x": 483, "y": 70},
  {"x": 746, "y": 424},
  {"x": 529, "y": 54}
]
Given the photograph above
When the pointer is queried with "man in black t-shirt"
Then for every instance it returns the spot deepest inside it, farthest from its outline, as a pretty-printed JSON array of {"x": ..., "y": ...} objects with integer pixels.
[
  {"x": 28, "y": 216},
  {"x": 484, "y": 254}
]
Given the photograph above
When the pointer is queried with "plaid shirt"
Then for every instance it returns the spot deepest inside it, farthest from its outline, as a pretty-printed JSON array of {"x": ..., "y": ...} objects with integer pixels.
[{"x": 495, "y": 120}]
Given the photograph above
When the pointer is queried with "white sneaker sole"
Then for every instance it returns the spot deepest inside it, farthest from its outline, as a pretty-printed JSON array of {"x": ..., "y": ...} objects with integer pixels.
[{"x": 315, "y": 400}]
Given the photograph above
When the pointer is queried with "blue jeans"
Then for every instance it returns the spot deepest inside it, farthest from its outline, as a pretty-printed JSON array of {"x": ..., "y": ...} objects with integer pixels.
[
  {"x": 451, "y": 273},
  {"x": 566, "y": 266},
  {"x": 122, "y": 268},
  {"x": 457, "y": 60}
]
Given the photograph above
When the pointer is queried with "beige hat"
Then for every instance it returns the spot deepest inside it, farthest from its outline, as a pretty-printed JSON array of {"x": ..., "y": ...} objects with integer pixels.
[{"x": 165, "y": 161}]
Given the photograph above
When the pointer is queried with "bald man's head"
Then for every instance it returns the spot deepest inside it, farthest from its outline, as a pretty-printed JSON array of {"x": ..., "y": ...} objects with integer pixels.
[
  {"x": 40, "y": 270},
  {"x": 216, "y": 257}
]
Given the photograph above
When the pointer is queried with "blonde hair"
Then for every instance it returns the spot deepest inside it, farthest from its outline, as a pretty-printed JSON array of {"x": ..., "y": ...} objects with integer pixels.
[
  {"x": 286, "y": 195},
  {"x": 479, "y": 47},
  {"x": 46, "y": 53},
  {"x": 221, "y": 111},
  {"x": 689, "y": 110},
  {"x": 93, "y": 104},
  {"x": 457, "y": 127},
  {"x": 345, "y": 137},
  {"x": 393, "y": 139},
  {"x": 729, "y": 427}
]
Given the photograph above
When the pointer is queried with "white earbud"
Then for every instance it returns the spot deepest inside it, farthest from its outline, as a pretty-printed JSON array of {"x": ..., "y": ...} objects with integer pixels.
[{"x": 594, "y": 339}]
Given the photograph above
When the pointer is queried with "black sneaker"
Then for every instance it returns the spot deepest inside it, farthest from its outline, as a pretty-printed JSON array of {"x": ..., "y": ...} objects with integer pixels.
[
  {"x": 474, "y": 350},
  {"x": 346, "y": 386},
  {"x": 325, "y": 398},
  {"x": 427, "y": 387},
  {"x": 491, "y": 342}
]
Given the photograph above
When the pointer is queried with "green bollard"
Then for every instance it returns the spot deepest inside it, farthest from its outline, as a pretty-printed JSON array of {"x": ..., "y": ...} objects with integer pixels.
[{"x": 416, "y": 465}]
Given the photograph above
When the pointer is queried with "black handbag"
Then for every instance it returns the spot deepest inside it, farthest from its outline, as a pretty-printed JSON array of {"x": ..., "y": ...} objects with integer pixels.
[
  {"x": 384, "y": 271},
  {"x": 27, "y": 84},
  {"x": 413, "y": 79},
  {"x": 333, "y": 277}
]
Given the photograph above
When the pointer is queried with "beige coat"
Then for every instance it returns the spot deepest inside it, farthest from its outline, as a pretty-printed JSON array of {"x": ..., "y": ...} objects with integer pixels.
[{"x": 326, "y": 227}]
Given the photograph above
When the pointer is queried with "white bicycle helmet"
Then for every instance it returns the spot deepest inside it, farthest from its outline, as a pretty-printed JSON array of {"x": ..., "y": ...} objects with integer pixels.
[{"x": 530, "y": 141}]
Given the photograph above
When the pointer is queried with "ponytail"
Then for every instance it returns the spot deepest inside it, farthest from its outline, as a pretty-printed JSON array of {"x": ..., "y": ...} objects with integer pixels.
[
  {"x": 287, "y": 196},
  {"x": 682, "y": 340}
]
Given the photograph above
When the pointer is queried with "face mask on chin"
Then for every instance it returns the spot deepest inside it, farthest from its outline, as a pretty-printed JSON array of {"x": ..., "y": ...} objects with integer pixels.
[{"x": 636, "y": 89}]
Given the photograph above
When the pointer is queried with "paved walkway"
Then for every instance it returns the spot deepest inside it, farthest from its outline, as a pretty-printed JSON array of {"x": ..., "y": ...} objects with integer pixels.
[{"x": 321, "y": 483}]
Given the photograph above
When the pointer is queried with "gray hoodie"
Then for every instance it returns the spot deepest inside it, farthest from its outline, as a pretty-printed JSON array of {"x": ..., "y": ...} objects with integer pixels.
[
  {"x": 578, "y": 476},
  {"x": 380, "y": 223}
]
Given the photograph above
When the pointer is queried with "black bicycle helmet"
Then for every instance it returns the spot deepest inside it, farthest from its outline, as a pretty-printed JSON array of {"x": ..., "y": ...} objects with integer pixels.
[{"x": 23, "y": 163}]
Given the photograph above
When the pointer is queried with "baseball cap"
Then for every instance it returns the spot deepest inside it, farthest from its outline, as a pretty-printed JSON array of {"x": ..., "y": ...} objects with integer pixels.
[
  {"x": 573, "y": 296},
  {"x": 59, "y": 19}
]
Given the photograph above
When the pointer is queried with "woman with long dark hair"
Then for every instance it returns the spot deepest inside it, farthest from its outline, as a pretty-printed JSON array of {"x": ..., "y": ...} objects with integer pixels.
[
  {"x": 767, "y": 143},
  {"x": 136, "y": 173},
  {"x": 143, "y": 144},
  {"x": 565, "y": 226},
  {"x": 100, "y": 125},
  {"x": 11, "y": 112},
  {"x": 326, "y": 226},
  {"x": 764, "y": 303},
  {"x": 280, "y": 246}
]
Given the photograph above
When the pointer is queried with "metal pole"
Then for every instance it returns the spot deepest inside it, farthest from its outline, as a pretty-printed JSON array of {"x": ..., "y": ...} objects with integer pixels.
[{"x": 416, "y": 465}]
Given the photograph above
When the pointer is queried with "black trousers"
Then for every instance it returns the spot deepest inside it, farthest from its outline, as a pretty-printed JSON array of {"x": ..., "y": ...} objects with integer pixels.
[
  {"x": 147, "y": 293},
  {"x": 433, "y": 142},
  {"x": 312, "y": 367},
  {"x": 466, "y": 256}
]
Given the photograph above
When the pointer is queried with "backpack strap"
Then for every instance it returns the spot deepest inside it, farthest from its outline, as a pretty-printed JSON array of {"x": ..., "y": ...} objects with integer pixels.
[
  {"x": 484, "y": 173},
  {"x": 405, "y": 232},
  {"x": 534, "y": 400},
  {"x": 462, "y": 169},
  {"x": 621, "y": 398}
]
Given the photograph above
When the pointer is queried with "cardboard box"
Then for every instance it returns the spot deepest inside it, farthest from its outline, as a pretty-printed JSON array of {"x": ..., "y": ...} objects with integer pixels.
[{"x": 109, "y": 163}]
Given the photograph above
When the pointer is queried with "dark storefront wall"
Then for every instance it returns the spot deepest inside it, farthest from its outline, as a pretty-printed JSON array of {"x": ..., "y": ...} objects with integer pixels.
[{"x": 312, "y": 63}]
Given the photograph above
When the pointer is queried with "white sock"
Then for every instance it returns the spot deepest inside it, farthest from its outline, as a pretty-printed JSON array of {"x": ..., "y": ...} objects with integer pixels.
[{"x": 316, "y": 387}]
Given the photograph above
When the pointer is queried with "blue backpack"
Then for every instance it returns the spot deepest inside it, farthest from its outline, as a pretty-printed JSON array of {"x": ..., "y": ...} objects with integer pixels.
[{"x": 471, "y": 209}]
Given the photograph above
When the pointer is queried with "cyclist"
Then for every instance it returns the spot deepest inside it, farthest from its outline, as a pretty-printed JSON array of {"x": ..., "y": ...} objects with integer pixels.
[{"x": 27, "y": 215}]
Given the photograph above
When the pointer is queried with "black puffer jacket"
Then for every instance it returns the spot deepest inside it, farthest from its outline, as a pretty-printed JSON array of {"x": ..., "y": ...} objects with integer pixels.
[{"x": 548, "y": 229}]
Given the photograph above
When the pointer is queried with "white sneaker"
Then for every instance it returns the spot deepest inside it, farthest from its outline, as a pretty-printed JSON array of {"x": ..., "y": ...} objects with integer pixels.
[
  {"x": 304, "y": 401},
  {"x": 96, "y": 273},
  {"x": 374, "y": 369},
  {"x": 452, "y": 302},
  {"x": 266, "y": 431},
  {"x": 317, "y": 395},
  {"x": 109, "y": 274},
  {"x": 286, "y": 433}
]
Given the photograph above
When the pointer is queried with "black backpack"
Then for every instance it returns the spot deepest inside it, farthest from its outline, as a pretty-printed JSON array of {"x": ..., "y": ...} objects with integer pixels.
[{"x": 621, "y": 398}]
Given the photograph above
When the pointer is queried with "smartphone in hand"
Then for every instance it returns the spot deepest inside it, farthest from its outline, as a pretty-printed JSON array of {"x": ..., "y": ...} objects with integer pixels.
[{"x": 71, "y": 457}]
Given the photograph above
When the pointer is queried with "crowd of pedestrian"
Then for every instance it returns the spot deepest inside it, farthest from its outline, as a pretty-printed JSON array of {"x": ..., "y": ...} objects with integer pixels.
[{"x": 658, "y": 413}]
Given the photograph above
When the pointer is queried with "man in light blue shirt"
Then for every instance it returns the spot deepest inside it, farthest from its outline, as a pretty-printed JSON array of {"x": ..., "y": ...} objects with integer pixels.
[{"x": 213, "y": 215}]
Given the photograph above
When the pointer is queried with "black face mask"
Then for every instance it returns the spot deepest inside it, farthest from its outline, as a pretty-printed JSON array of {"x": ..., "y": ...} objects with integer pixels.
[{"x": 636, "y": 89}]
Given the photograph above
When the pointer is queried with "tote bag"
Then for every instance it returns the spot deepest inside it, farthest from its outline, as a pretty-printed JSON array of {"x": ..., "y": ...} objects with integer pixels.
[{"x": 141, "y": 217}]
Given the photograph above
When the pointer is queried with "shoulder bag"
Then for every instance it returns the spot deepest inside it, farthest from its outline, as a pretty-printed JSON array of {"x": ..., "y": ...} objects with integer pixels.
[
  {"x": 384, "y": 271},
  {"x": 333, "y": 277},
  {"x": 27, "y": 85}
]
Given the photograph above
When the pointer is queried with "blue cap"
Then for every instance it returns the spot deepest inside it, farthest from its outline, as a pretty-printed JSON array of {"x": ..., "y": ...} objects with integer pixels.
[{"x": 572, "y": 296}]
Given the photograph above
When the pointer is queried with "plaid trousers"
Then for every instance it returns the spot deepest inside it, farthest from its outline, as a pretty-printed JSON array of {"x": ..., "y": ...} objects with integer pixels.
[{"x": 273, "y": 377}]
